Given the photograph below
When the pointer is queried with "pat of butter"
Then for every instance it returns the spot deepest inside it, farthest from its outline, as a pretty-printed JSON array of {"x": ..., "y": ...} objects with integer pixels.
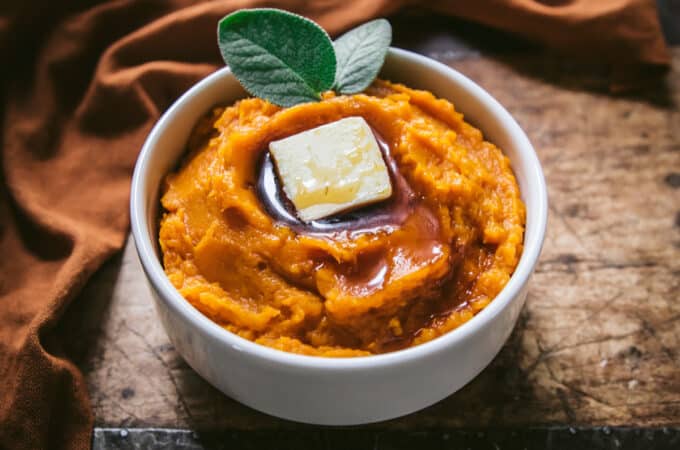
[{"x": 331, "y": 168}]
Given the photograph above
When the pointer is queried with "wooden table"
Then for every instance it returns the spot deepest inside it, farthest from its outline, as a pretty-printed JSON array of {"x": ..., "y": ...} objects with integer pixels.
[{"x": 598, "y": 342}]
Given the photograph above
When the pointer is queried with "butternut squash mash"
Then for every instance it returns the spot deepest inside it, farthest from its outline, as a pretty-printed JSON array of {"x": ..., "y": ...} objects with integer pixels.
[{"x": 343, "y": 293}]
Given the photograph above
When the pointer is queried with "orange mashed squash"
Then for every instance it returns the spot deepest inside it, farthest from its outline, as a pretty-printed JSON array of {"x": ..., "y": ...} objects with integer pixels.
[{"x": 345, "y": 294}]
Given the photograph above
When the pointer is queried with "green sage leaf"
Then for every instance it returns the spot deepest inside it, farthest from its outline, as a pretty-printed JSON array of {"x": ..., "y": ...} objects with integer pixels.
[
  {"x": 276, "y": 55},
  {"x": 360, "y": 54}
]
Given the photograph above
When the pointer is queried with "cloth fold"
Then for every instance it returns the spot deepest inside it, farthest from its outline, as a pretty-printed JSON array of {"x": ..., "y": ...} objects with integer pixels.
[{"x": 83, "y": 81}]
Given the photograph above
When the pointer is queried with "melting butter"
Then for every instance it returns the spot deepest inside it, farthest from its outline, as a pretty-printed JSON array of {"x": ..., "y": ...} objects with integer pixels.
[{"x": 332, "y": 168}]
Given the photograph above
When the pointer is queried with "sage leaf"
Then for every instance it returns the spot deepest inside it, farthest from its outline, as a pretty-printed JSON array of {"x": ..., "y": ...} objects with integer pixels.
[
  {"x": 276, "y": 55},
  {"x": 360, "y": 54}
]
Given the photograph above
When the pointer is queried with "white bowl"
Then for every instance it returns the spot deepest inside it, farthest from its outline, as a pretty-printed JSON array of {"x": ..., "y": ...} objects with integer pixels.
[{"x": 337, "y": 391}]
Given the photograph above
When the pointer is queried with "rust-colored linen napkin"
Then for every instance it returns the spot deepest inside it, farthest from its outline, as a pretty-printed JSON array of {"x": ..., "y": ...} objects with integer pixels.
[{"x": 83, "y": 81}]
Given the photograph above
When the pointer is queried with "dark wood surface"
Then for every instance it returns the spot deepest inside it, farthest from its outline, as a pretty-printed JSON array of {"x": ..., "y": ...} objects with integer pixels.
[{"x": 598, "y": 342}]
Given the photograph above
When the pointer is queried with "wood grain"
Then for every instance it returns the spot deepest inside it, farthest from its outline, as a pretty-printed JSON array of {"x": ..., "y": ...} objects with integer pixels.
[{"x": 598, "y": 342}]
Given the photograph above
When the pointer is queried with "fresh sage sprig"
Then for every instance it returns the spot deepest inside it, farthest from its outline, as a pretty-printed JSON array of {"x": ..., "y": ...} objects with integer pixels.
[
  {"x": 360, "y": 54},
  {"x": 287, "y": 59},
  {"x": 277, "y": 55}
]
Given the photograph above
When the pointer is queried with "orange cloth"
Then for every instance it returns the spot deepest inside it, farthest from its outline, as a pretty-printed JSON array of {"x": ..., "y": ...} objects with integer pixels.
[{"x": 83, "y": 82}]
